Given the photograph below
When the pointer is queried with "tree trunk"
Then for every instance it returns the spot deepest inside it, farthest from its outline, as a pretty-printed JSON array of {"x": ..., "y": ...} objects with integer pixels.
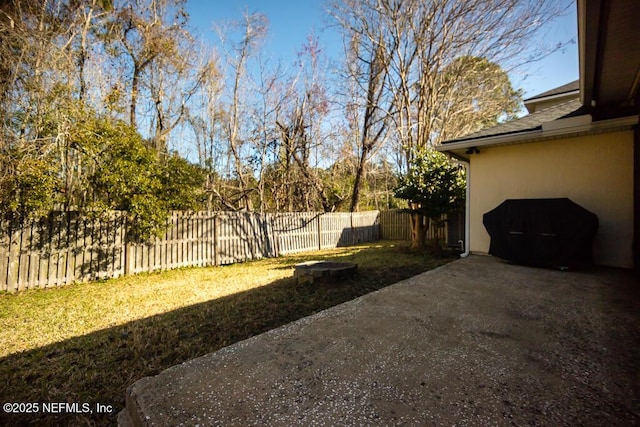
[
  {"x": 418, "y": 231},
  {"x": 355, "y": 196},
  {"x": 134, "y": 95}
]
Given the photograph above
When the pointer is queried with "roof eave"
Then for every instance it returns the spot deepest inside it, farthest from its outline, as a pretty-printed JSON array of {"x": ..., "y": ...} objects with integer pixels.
[
  {"x": 537, "y": 134},
  {"x": 567, "y": 94}
]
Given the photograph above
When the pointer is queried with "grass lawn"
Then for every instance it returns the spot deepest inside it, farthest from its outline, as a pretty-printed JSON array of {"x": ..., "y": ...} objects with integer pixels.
[{"x": 86, "y": 343}]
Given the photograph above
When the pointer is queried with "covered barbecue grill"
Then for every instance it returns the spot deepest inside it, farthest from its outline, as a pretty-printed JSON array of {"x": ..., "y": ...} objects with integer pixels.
[{"x": 542, "y": 232}]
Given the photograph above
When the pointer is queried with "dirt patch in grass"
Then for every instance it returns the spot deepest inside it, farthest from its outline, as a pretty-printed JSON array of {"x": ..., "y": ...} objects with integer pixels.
[{"x": 86, "y": 343}]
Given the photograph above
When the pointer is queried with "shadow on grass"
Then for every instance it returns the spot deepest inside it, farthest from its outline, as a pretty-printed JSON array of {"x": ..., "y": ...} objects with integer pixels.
[{"x": 96, "y": 368}]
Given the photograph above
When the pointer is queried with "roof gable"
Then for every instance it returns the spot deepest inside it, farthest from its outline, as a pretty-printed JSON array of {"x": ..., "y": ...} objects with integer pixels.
[{"x": 554, "y": 96}]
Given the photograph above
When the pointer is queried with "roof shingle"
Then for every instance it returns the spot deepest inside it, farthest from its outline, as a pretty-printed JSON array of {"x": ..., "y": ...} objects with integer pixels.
[
  {"x": 569, "y": 87},
  {"x": 530, "y": 122}
]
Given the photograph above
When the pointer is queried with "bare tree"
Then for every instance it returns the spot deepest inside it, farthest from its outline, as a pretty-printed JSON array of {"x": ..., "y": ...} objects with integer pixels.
[
  {"x": 368, "y": 54},
  {"x": 421, "y": 41},
  {"x": 147, "y": 34},
  {"x": 205, "y": 116},
  {"x": 271, "y": 93},
  {"x": 303, "y": 131},
  {"x": 91, "y": 17},
  {"x": 173, "y": 80},
  {"x": 438, "y": 62},
  {"x": 296, "y": 139},
  {"x": 254, "y": 29}
]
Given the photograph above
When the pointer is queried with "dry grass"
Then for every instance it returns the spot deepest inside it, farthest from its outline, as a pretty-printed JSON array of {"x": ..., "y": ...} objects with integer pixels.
[{"x": 88, "y": 342}]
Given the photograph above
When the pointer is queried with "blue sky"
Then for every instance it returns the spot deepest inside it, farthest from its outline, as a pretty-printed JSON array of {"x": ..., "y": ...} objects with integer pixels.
[{"x": 290, "y": 22}]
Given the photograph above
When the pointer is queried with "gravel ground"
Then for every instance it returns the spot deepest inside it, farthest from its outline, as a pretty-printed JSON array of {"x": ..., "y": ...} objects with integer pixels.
[{"x": 475, "y": 342}]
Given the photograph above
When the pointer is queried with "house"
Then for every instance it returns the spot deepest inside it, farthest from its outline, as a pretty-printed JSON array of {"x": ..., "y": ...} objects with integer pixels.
[{"x": 580, "y": 141}]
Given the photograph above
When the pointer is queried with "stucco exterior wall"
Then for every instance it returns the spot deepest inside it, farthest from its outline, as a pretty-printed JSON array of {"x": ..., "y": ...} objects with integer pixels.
[{"x": 594, "y": 171}]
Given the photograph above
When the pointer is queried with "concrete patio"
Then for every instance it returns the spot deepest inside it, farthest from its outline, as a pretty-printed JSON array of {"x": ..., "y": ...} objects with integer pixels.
[{"x": 475, "y": 342}]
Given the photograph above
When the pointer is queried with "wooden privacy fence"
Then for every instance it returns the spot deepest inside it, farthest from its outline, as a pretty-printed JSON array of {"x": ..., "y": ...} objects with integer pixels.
[
  {"x": 66, "y": 247},
  {"x": 396, "y": 225}
]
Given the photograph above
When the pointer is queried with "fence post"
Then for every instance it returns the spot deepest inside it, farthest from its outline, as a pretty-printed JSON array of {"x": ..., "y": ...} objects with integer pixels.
[
  {"x": 319, "y": 232},
  {"x": 276, "y": 236},
  {"x": 352, "y": 232},
  {"x": 127, "y": 257},
  {"x": 14, "y": 257},
  {"x": 128, "y": 248},
  {"x": 216, "y": 234}
]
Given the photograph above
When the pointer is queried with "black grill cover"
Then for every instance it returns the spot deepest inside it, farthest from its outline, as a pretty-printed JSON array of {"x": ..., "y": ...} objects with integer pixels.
[{"x": 542, "y": 232}]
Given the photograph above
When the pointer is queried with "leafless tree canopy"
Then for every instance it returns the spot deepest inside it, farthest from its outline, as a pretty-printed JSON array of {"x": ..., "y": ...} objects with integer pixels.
[{"x": 435, "y": 63}]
